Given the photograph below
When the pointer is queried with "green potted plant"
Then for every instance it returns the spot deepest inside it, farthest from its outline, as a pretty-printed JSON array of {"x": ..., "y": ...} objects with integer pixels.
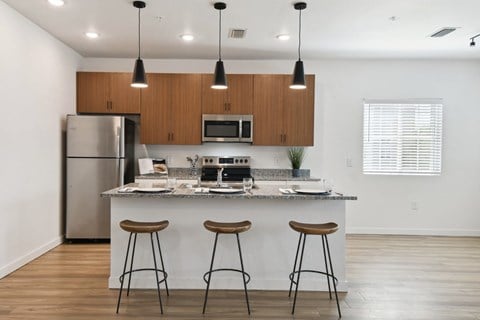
[{"x": 296, "y": 155}]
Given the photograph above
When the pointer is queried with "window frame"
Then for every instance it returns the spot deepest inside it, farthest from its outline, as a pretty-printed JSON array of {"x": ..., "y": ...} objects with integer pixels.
[{"x": 395, "y": 144}]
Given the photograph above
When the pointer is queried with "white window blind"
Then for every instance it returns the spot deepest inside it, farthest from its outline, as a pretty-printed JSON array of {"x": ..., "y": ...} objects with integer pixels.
[{"x": 402, "y": 137}]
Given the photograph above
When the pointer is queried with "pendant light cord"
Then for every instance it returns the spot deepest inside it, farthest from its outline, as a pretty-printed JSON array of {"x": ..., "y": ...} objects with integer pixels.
[
  {"x": 220, "y": 36},
  {"x": 138, "y": 33},
  {"x": 299, "y": 33}
]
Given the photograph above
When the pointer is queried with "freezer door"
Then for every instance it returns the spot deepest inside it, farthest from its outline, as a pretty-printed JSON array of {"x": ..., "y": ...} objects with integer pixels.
[
  {"x": 95, "y": 136},
  {"x": 88, "y": 215}
]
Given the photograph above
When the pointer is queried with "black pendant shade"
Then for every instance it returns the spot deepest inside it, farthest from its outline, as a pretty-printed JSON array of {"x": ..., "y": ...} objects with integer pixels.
[
  {"x": 139, "y": 79},
  {"x": 298, "y": 77},
  {"x": 298, "y": 81},
  {"x": 219, "y": 77}
]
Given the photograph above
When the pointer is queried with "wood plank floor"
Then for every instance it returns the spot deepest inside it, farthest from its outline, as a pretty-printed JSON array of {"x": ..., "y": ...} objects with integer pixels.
[{"x": 390, "y": 277}]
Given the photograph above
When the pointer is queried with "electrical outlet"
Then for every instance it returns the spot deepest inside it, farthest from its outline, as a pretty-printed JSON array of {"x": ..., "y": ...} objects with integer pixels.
[
  {"x": 348, "y": 162},
  {"x": 276, "y": 160},
  {"x": 169, "y": 160},
  {"x": 414, "y": 206}
]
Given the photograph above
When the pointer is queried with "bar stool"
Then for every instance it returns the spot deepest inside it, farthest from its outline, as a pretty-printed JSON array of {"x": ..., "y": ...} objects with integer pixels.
[
  {"x": 135, "y": 228},
  {"x": 314, "y": 229},
  {"x": 227, "y": 228}
]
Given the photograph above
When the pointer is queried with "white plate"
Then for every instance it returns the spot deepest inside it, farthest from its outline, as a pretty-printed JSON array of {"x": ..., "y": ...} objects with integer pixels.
[
  {"x": 225, "y": 190},
  {"x": 311, "y": 191},
  {"x": 153, "y": 190}
]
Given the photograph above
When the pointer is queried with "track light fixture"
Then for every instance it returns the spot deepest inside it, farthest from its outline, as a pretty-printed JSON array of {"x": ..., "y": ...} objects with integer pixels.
[
  {"x": 139, "y": 79},
  {"x": 298, "y": 81},
  {"x": 472, "y": 40},
  {"x": 219, "y": 77}
]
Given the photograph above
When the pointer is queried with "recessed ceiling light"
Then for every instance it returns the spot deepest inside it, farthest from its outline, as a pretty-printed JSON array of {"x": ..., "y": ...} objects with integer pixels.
[
  {"x": 56, "y": 3},
  {"x": 187, "y": 37},
  {"x": 91, "y": 35},
  {"x": 283, "y": 37}
]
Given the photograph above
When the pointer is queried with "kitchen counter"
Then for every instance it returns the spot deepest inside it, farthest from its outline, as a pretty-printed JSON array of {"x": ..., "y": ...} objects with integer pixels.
[
  {"x": 268, "y": 247},
  {"x": 258, "y": 175},
  {"x": 270, "y": 192}
]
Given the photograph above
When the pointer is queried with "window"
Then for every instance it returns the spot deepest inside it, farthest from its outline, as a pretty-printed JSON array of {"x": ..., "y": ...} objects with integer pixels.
[{"x": 402, "y": 137}]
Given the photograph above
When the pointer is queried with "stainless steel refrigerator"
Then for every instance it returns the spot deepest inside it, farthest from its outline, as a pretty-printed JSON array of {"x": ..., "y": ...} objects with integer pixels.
[{"x": 100, "y": 156}]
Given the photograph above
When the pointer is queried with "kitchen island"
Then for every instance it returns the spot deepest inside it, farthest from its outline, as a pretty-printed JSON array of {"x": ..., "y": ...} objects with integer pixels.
[{"x": 268, "y": 248}]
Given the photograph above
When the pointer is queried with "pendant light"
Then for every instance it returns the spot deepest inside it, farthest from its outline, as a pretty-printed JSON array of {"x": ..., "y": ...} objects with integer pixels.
[
  {"x": 298, "y": 81},
  {"x": 139, "y": 79},
  {"x": 219, "y": 77}
]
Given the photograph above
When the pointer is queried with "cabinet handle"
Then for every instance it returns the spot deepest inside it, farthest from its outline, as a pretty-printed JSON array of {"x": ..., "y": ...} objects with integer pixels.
[
  {"x": 168, "y": 138},
  {"x": 285, "y": 138},
  {"x": 229, "y": 106},
  {"x": 172, "y": 136}
]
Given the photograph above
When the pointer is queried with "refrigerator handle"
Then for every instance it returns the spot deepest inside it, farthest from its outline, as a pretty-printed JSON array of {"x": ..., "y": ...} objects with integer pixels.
[{"x": 121, "y": 172}]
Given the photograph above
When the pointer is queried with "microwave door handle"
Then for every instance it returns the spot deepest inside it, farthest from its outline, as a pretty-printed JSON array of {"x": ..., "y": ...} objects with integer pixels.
[{"x": 240, "y": 133}]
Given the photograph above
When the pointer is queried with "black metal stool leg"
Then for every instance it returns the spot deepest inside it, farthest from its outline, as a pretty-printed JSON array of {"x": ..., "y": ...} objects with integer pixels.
[
  {"x": 210, "y": 273},
  {"x": 163, "y": 266},
  {"x": 123, "y": 274},
  {"x": 243, "y": 272},
  {"x": 131, "y": 264},
  {"x": 299, "y": 271},
  {"x": 156, "y": 274},
  {"x": 333, "y": 277},
  {"x": 295, "y": 264},
  {"x": 326, "y": 266}
]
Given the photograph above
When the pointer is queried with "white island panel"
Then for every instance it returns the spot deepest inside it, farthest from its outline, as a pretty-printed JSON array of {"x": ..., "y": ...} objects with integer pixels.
[{"x": 268, "y": 247}]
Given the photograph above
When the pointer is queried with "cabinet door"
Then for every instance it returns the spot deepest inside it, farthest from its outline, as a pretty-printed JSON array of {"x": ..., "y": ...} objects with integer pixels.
[
  {"x": 106, "y": 92},
  {"x": 268, "y": 109},
  {"x": 237, "y": 99},
  {"x": 154, "y": 116},
  {"x": 92, "y": 92},
  {"x": 298, "y": 113},
  {"x": 186, "y": 108},
  {"x": 124, "y": 98}
]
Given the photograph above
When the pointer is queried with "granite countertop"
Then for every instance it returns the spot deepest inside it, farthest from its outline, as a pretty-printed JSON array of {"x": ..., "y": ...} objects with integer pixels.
[
  {"x": 259, "y": 192},
  {"x": 258, "y": 175}
]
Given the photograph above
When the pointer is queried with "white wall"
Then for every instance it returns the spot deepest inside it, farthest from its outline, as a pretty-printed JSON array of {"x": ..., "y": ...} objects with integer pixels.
[
  {"x": 447, "y": 204},
  {"x": 37, "y": 89}
]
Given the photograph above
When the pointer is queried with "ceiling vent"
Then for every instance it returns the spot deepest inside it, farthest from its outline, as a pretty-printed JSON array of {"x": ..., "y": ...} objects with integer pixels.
[
  {"x": 443, "y": 32},
  {"x": 237, "y": 33}
]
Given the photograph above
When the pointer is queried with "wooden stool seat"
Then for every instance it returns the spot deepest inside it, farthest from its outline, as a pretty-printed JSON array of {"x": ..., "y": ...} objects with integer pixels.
[
  {"x": 314, "y": 228},
  {"x": 143, "y": 227},
  {"x": 227, "y": 227}
]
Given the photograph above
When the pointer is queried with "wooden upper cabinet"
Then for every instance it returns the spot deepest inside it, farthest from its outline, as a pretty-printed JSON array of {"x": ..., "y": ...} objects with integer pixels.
[
  {"x": 268, "y": 110},
  {"x": 106, "y": 92},
  {"x": 171, "y": 109},
  {"x": 298, "y": 113},
  {"x": 155, "y": 110},
  {"x": 283, "y": 116},
  {"x": 237, "y": 99}
]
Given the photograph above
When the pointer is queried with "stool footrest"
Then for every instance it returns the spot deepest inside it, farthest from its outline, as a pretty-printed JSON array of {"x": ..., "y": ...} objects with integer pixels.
[
  {"x": 165, "y": 275},
  {"x": 226, "y": 269},
  {"x": 290, "y": 276}
]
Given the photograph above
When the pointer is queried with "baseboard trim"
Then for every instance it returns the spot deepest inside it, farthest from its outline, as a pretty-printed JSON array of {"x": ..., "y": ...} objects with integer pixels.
[
  {"x": 20, "y": 262},
  {"x": 415, "y": 232}
]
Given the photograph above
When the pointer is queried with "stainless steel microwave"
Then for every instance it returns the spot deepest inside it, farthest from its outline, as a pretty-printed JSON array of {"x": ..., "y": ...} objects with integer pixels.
[{"x": 227, "y": 128}]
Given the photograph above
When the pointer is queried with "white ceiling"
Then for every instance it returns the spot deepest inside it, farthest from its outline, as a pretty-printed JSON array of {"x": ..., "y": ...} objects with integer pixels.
[{"x": 331, "y": 28}]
